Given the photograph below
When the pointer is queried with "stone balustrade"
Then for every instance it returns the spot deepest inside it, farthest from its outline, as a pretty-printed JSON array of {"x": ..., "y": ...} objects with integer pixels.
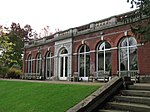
[
  {"x": 98, "y": 25},
  {"x": 35, "y": 42},
  {"x": 62, "y": 34},
  {"x": 106, "y": 22}
]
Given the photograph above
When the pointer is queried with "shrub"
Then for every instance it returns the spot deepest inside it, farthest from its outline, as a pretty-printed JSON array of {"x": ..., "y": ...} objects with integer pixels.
[
  {"x": 16, "y": 66},
  {"x": 14, "y": 73},
  {"x": 3, "y": 71}
]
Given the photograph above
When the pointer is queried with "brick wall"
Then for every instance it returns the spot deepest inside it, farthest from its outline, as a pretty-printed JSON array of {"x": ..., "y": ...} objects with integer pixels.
[{"x": 92, "y": 39}]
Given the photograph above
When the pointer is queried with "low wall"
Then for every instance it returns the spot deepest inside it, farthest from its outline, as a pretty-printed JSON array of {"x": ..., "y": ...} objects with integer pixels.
[
  {"x": 145, "y": 79},
  {"x": 97, "y": 98}
]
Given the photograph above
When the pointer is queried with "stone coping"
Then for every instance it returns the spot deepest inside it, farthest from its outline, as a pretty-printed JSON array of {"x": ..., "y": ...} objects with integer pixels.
[{"x": 98, "y": 97}]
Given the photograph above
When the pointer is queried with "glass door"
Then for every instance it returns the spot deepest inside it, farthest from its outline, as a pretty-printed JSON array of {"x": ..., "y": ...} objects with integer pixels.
[
  {"x": 63, "y": 68},
  {"x": 63, "y": 64}
]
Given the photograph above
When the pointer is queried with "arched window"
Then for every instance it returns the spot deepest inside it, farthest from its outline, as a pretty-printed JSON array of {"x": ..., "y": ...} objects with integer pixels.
[
  {"x": 103, "y": 57},
  {"x": 29, "y": 65},
  {"x": 48, "y": 67},
  {"x": 84, "y": 61},
  {"x": 64, "y": 51},
  {"x": 38, "y": 65},
  {"x": 128, "y": 54}
]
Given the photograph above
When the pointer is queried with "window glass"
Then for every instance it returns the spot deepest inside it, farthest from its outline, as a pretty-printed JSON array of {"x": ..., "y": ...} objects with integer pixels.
[
  {"x": 103, "y": 57},
  {"x": 128, "y": 54},
  {"x": 84, "y": 61}
]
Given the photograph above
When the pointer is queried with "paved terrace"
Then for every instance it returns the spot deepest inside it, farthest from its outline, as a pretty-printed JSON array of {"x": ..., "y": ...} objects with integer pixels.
[
  {"x": 67, "y": 82},
  {"x": 56, "y": 82}
]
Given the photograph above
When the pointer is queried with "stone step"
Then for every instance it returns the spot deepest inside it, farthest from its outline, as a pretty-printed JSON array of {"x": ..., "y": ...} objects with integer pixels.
[
  {"x": 139, "y": 87},
  {"x": 133, "y": 99},
  {"x": 111, "y": 110},
  {"x": 128, "y": 106},
  {"x": 135, "y": 93}
]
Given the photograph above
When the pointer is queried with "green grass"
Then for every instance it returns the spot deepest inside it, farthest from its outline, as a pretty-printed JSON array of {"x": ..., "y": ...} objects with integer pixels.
[{"x": 40, "y": 97}]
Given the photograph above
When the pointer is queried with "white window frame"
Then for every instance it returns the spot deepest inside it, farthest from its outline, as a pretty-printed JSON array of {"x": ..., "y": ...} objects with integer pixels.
[
  {"x": 38, "y": 59},
  {"x": 84, "y": 53},
  {"x": 64, "y": 55},
  {"x": 48, "y": 58},
  {"x": 29, "y": 62},
  {"x": 128, "y": 53},
  {"x": 104, "y": 51}
]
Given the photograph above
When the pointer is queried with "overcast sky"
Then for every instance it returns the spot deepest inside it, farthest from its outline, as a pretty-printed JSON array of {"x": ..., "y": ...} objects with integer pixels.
[{"x": 62, "y": 14}]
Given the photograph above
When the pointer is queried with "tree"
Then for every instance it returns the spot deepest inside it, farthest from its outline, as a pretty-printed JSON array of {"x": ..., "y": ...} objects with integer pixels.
[
  {"x": 24, "y": 33},
  {"x": 28, "y": 33},
  {"x": 46, "y": 31},
  {"x": 18, "y": 36},
  {"x": 143, "y": 9},
  {"x": 6, "y": 47}
]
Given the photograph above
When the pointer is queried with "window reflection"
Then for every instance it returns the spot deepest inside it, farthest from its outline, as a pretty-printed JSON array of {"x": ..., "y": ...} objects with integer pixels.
[
  {"x": 48, "y": 70},
  {"x": 103, "y": 57},
  {"x": 128, "y": 54},
  {"x": 29, "y": 64},
  {"x": 39, "y": 64},
  {"x": 84, "y": 61}
]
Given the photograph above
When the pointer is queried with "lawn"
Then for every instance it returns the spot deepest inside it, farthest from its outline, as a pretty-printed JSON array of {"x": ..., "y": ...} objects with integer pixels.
[{"x": 41, "y": 97}]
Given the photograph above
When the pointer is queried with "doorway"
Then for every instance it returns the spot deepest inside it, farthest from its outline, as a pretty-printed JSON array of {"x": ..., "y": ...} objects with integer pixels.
[{"x": 63, "y": 64}]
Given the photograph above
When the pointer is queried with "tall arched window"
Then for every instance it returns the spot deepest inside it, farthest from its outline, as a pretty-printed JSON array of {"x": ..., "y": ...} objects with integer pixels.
[
  {"x": 29, "y": 65},
  {"x": 48, "y": 68},
  {"x": 84, "y": 61},
  {"x": 103, "y": 57},
  {"x": 38, "y": 65},
  {"x": 128, "y": 54}
]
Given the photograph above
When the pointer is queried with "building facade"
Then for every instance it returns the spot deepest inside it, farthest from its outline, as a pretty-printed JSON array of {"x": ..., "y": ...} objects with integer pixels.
[{"x": 106, "y": 47}]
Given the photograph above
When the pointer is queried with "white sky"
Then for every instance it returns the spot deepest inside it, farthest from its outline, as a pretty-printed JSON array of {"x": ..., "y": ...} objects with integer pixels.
[{"x": 62, "y": 14}]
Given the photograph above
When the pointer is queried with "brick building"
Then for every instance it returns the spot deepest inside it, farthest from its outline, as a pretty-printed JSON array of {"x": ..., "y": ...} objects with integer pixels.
[{"x": 98, "y": 49}]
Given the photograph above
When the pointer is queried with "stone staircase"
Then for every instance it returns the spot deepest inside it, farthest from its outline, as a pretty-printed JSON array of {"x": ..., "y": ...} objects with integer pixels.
[{"x": 136, "y": 98}]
